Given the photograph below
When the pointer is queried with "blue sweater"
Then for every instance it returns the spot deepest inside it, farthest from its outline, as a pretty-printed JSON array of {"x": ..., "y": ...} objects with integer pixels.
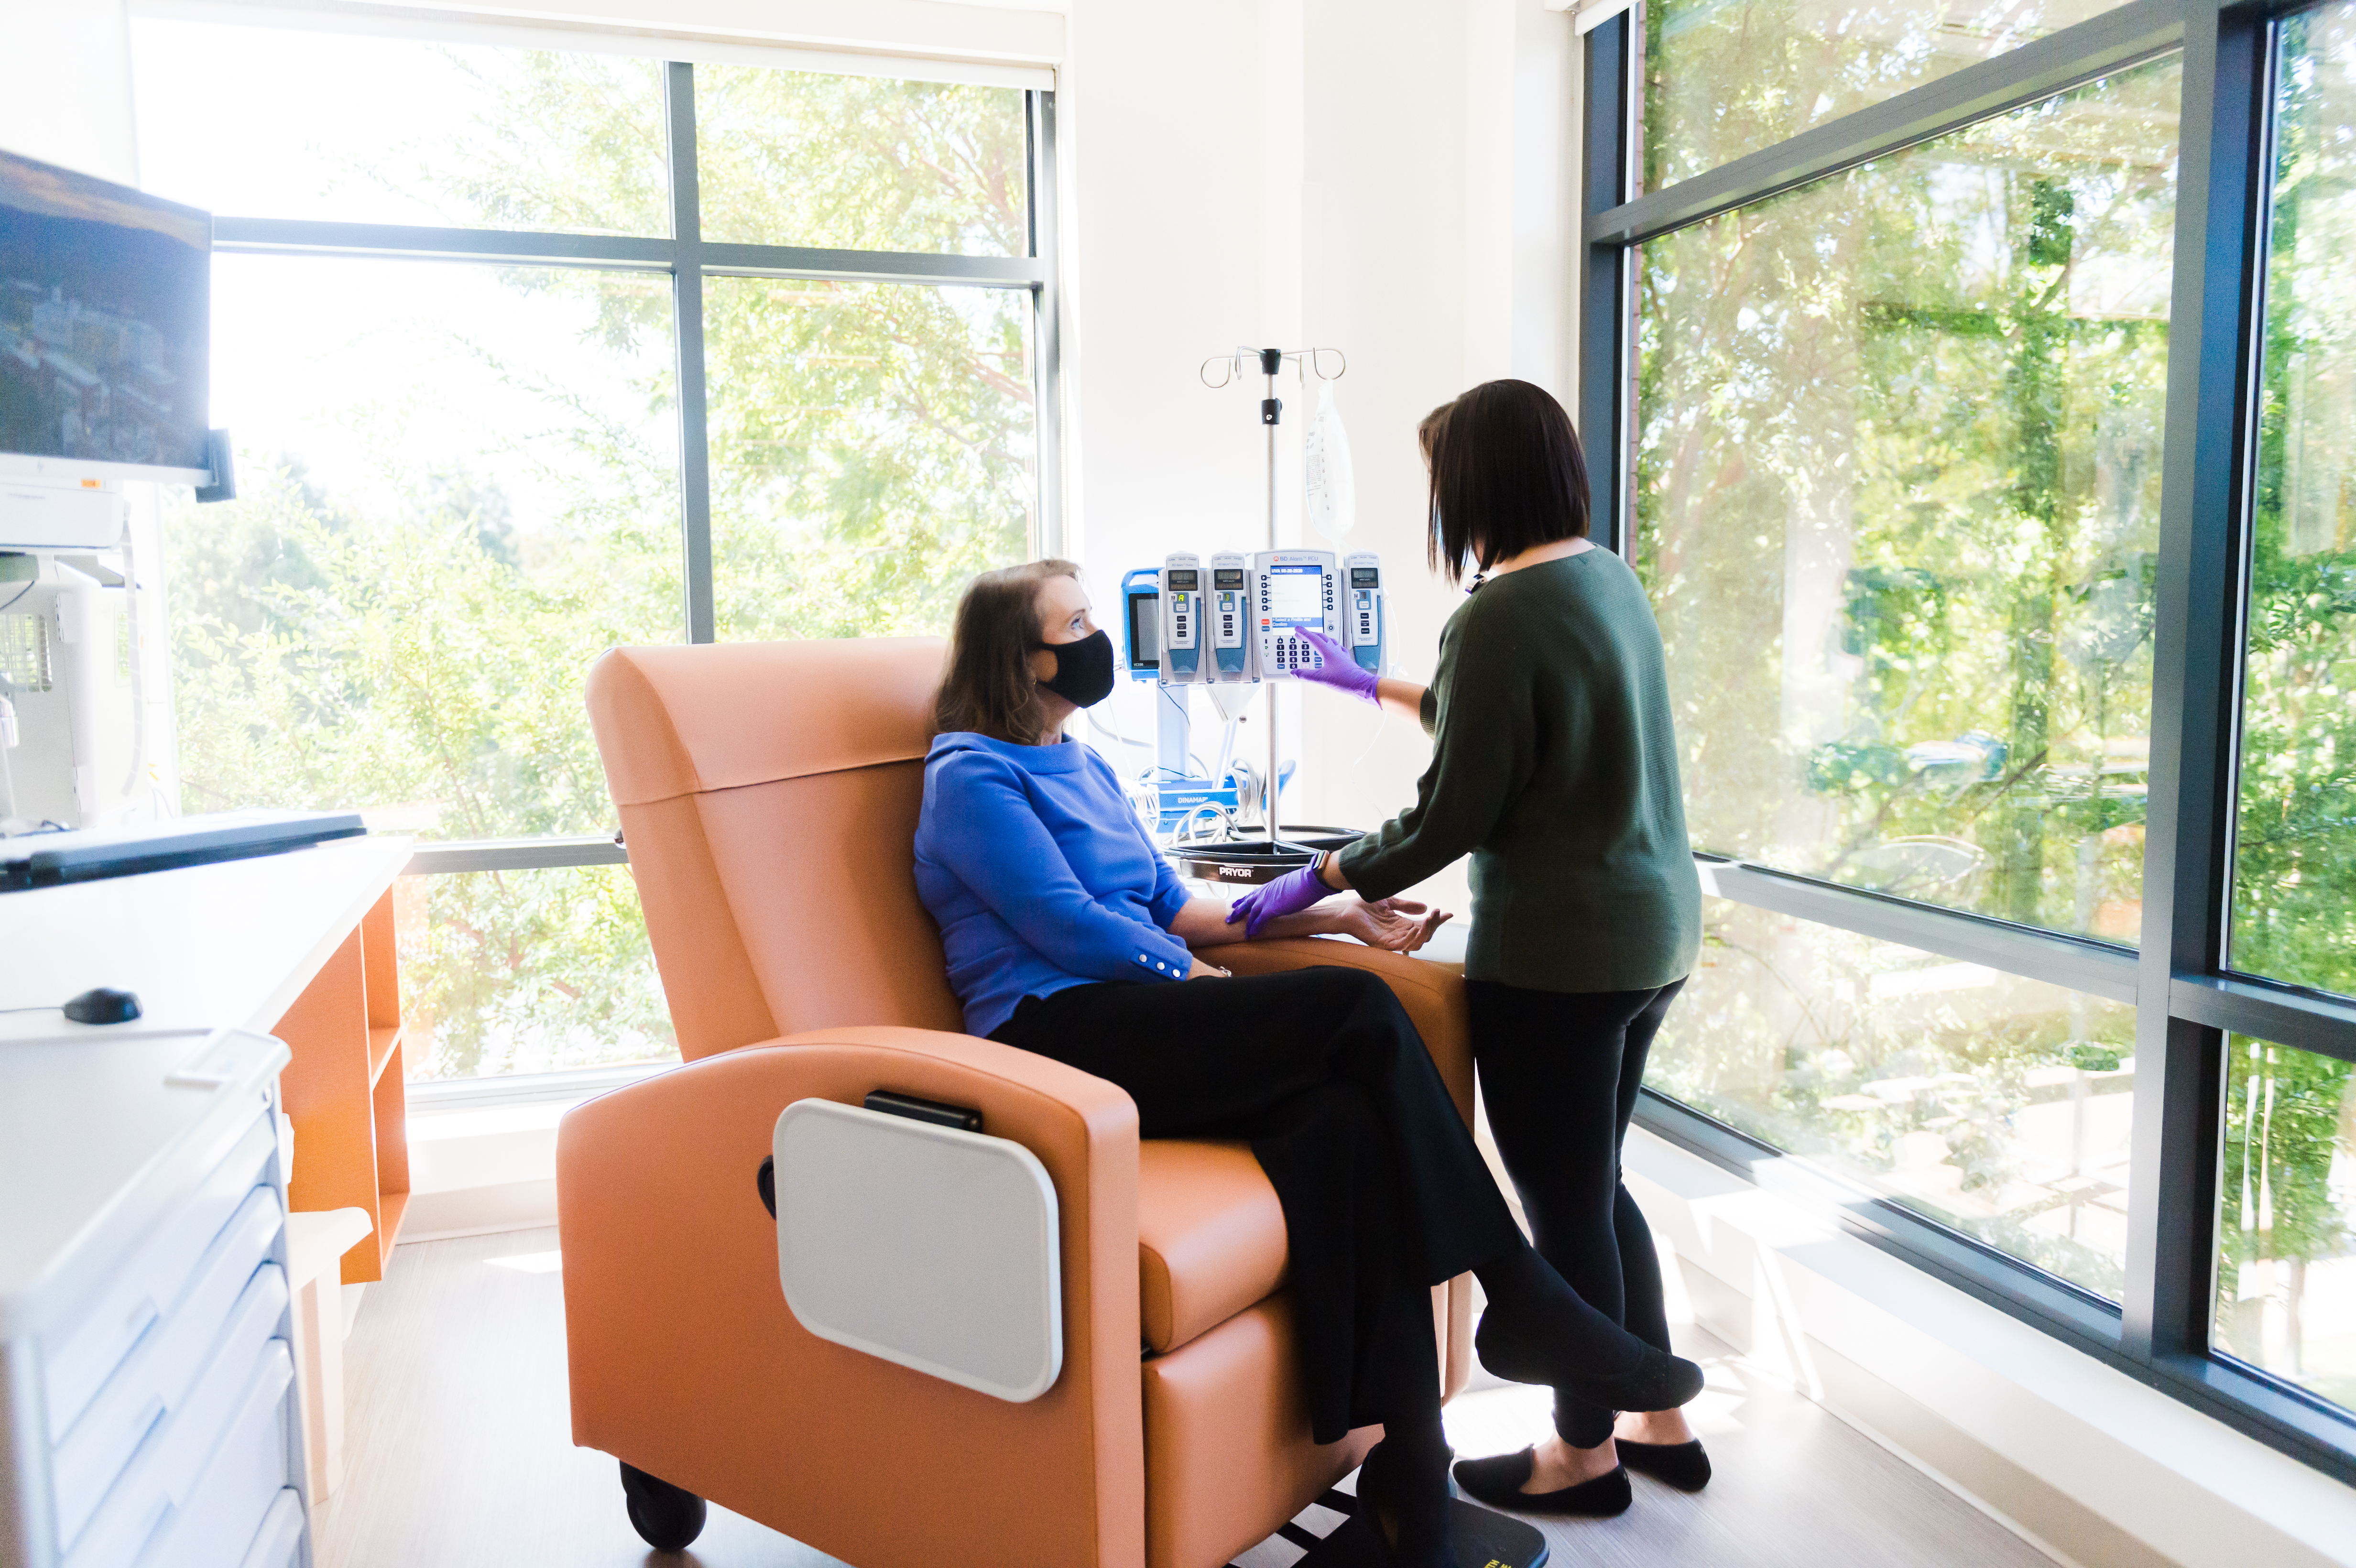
[{"x": 1039, "y": 875}]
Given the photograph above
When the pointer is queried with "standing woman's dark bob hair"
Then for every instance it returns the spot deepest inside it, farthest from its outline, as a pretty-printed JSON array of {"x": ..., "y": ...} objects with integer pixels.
[
  {"x": 1507, "y": 475},
  {"x": 987, "y": 686}
]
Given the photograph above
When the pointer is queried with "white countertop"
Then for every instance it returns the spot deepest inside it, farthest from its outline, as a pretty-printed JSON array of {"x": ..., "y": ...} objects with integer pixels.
[{"x": 204, "y": 946}]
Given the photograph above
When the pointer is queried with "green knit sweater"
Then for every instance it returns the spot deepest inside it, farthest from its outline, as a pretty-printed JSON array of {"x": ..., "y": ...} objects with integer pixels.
[{"x": 1554, "y": 765}]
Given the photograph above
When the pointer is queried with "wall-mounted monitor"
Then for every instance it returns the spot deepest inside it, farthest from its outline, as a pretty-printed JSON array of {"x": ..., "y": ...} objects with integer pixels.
[{"x": 105, "y": 313}]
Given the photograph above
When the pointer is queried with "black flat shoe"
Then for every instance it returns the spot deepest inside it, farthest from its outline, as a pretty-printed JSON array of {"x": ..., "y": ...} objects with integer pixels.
[
  {"x": 1680, "y": 1465},
  {"x": 1497, "y": 1481},
  {"x": 1658, "y": 1381}
]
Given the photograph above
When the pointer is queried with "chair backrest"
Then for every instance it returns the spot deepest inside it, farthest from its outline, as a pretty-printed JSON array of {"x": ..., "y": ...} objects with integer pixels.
[{"x": 768, "y": 793}]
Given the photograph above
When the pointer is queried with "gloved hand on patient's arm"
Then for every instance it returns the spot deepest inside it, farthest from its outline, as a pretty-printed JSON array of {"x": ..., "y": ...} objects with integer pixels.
[
  {"x": 1400, "y": 925},
  {"x": 1289, "y": 894},
  {"x": 1340, "y": 670}
]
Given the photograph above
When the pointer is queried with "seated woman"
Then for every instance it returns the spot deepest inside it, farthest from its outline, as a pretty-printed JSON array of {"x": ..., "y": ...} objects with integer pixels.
[{"x": 1067, "y": 934}]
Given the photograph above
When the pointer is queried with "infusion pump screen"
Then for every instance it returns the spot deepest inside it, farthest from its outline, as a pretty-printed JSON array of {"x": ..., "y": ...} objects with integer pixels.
[
  {"x": 1144, "y": 632},
  {"x": 1296, "y": 596},
  {"x": 1228, "y": 577}
]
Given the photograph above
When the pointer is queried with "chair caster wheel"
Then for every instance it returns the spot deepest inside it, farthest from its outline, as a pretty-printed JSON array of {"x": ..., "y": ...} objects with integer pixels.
[{"x": 665, "y": 1517}]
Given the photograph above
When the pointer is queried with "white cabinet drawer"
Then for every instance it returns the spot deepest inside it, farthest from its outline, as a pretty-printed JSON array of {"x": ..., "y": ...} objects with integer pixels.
[
  {"x": 152, "y": 1282},
  {"x": 158, "y": 1376},
  {"x": 161, "y": 1479},
  {"x": 279, "y": 1543},
  {"x": 216, "y": 1522}
]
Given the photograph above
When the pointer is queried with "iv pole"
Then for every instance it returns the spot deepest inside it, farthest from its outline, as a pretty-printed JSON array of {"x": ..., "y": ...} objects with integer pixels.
[{"x": 1271, "y": 410}]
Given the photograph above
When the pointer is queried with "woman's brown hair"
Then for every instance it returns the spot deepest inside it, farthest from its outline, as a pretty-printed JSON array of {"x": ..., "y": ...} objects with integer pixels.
[
  {"x": 1507, "y": 474},
  {"x": 988, "y": 686}
]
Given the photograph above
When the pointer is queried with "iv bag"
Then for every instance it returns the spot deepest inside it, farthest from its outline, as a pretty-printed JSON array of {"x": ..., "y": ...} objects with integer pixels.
[{"x": 1332, "y": 495}]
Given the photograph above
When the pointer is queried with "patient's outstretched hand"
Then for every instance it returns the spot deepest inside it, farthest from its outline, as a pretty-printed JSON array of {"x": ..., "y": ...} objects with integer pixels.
[{"x": 1398, "y": 925}]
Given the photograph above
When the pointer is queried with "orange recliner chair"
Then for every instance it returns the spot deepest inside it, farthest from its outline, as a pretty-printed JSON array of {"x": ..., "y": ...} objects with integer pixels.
[{"x": 769, "y": 795}]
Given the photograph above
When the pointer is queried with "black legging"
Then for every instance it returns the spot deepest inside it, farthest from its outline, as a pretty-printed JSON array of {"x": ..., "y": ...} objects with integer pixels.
[
  {"x": 1558, "y": 1078},
  {"x": 1385, "y": 1193}
]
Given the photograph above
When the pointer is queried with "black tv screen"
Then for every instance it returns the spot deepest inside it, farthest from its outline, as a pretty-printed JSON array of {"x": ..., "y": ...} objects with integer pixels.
[{"x": 106, "y": 305}]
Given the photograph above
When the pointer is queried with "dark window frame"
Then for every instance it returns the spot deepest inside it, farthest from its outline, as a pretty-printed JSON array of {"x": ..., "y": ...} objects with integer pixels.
[{"x": 2187, "y": 997}]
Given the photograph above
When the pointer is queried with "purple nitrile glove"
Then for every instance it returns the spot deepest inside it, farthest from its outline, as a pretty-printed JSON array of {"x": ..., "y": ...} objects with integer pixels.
[
  {"x": 1340, "y": 671},
  {"x": 1289, "y": 894}
]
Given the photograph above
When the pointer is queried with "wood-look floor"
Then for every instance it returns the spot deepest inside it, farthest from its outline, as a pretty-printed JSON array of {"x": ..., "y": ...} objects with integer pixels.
[{"x": 460, "y": 1455}]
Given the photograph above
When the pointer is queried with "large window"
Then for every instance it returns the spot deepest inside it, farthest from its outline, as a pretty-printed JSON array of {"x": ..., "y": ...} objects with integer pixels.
[
  {"x": 528, "y": 353},
  {"x": 1898, "y": 474},
  {"x": 2294, "y": 844},
  {"x": 1971, "y": 388}
]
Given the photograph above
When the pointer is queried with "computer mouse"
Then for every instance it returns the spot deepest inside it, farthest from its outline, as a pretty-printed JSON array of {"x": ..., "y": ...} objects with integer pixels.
[{"x": 104, "y": 1005}]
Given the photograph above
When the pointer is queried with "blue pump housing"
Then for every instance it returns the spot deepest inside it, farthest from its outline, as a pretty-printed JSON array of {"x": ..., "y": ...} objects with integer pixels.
[{"x": 1140, "y": 620}]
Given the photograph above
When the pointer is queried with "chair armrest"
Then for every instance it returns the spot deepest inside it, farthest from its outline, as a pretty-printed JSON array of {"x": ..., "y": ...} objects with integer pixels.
[
  {"x": 686, "y": 1364},
  {"x": 1433, "y": 994}
]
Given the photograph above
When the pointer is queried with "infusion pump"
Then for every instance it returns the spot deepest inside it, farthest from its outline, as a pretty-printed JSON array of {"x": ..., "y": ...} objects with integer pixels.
[
  {"x": 1246, "y": 611},
  {"x": 1182, "y": 619},
  {"x": 1362, "y": 611},
  {"x": 1228, "y": 616},
  {"x": 1292, "y": 590},
  {"x": 1295, "y": 590}
]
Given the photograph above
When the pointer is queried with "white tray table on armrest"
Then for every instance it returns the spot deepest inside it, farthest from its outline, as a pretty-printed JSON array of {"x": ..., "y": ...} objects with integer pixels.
[{"x": 928, "y": 1246}]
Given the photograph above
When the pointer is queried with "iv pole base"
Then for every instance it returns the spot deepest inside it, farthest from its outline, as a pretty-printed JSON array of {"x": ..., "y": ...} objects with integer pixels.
[{"x": 1479, "y": 1537}]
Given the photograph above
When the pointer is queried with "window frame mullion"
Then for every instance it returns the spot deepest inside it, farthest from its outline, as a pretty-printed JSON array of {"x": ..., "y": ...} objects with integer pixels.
[
  {"x": 686, "y": 327},
  {"x": 2199, "y": 594},
  {"x": 1607, "y": 357},
  {"x": 1046, "y": 324}
]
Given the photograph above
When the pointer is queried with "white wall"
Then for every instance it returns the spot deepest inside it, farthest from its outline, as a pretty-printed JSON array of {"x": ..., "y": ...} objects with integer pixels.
[
  {"x": 1160, "y": 136},
  {"x": 1386, "y": 176}
]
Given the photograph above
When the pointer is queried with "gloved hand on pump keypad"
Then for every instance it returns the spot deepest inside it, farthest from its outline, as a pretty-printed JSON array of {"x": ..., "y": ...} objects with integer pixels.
[{"x": 1340, "y": 670}]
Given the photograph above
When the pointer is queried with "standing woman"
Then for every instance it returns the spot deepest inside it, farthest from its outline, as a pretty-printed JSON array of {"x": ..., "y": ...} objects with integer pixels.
[{"x": 1554, "y": 766}]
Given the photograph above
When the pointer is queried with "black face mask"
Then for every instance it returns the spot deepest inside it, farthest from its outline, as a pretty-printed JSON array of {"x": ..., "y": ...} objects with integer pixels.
[{"x": 1083, "y": 675}]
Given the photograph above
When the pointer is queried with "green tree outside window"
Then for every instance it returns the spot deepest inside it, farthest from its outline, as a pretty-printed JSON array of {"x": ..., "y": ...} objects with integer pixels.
[{"x": 414, "y": 635}]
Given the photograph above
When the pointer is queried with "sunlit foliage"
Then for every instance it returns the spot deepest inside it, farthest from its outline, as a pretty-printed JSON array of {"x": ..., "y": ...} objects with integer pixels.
[
  {"x": 2295, "y": 851},
  {"x": 419, "y": 644}
]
